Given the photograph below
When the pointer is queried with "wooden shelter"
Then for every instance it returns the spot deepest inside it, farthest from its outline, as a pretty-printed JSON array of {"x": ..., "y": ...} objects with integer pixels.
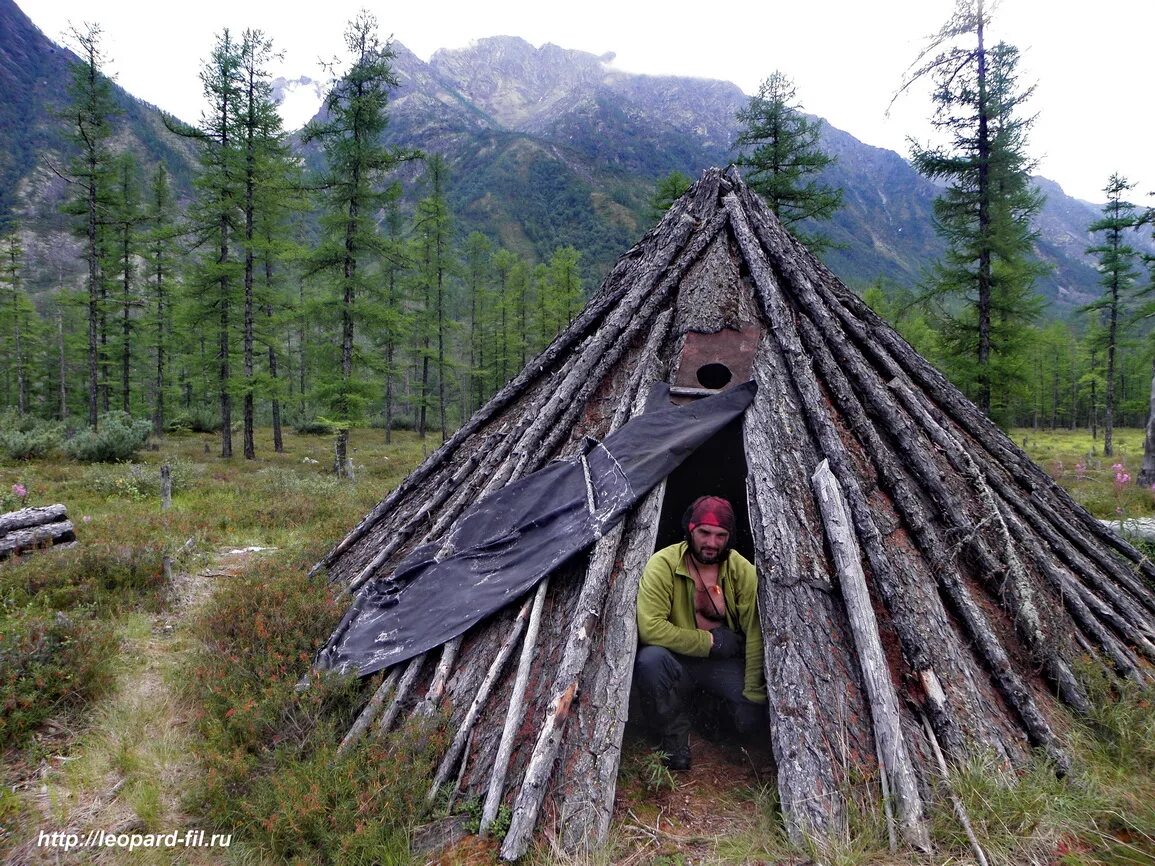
[{"x": 924, "y": 586}]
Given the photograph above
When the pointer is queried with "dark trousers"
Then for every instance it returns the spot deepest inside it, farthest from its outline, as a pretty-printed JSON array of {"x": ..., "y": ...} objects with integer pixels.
[{"x": 665, "y": 683}]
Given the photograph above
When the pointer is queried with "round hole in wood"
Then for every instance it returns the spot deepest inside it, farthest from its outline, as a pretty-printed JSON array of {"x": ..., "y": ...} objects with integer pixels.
[{"x": 714, "y": 375}]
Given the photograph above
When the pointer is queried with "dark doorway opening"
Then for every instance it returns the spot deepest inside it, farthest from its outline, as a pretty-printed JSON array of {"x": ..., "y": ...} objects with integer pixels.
[{"x": 718, "y": 468}]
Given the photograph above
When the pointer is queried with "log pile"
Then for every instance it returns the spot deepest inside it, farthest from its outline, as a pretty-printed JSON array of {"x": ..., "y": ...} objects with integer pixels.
[
  {"x": 30, "y": 529},
  {"x": 925, "y": 589}
]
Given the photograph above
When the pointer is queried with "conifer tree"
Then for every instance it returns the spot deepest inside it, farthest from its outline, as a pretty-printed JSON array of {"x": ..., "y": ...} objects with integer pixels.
[
  {"x": 434, "y": 255},
  {"x": 778, "y": 146},
  {"x": 18, "y": 315},
  {"x": 668, "y": 190},
  {"x": 395, "y": 322},
  {"x": 216, "y": 221},
  {"x": 354, "y": 189},
  {"x": 159, "y": 254},
  {"x": 478, "y": 266},
  {"x": 91, "y": 112},
  {"x": 266, "y": 195},
  {"x": 123, "y": 226},
  {"x": 985, "y": 213}
]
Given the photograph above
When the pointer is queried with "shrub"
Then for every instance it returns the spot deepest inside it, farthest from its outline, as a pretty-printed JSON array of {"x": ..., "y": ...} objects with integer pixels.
[
  {"x": 271, "y": 768},
  {"x": 315, "y": 427},
  {"x": 138, "y": 481},
  {"x": 49, "y": 662},
  {"x": 118, "y": 437},
  {"x": 23, "y": 437},
  {"x": 101, "y": 577},
  {"x": 196, "y": 420}
]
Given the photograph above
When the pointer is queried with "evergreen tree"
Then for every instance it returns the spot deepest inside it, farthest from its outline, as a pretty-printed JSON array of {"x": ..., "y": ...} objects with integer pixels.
[
  {"x": 265, "y": 197},
  {"x": 123, "y": 226},
  {"x": 1117, "y": 274},
  {"x": 396, "y": 320},
  {"x": 354, "y": 189},
  {"x": 18, "y": 315},
  {"x": 985, "y": 214},
  {"x": 91, "y": 111},
  {"x": 159, "y": 254},
  {"x": 668, "y": 190},
  {"x": 478, "y": 267},
  {"x": 779, "y": 147},
  {"x": 434, "y": 255},
  {"x": 216, "y": 220}
]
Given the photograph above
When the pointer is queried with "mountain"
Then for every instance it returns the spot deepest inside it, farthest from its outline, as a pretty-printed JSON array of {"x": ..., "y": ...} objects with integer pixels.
[
  {"x": 549, "y": 146},
  {"x": 35, "y": 75}
]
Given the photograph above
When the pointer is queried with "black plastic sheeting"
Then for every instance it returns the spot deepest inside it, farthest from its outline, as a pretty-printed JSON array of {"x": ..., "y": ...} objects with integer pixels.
[{"x": 507, "y": 542}]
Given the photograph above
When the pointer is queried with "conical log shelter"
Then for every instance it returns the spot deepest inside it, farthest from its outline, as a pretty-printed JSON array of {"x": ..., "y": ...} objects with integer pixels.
[{"x": 923, "y": 584}]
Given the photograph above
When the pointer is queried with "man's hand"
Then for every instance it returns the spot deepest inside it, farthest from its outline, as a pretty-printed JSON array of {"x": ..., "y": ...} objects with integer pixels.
[{"x": 726, "y": 644}]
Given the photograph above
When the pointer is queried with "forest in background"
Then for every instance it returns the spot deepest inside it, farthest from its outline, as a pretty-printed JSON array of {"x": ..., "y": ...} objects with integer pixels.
[{"x": 220, "y": 309}]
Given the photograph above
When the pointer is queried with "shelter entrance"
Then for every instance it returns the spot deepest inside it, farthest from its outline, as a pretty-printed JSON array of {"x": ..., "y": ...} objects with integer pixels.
[{"x": 717, "y": 468}]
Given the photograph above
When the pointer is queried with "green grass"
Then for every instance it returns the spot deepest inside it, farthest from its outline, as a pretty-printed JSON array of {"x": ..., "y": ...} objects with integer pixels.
[{"x": 1076, "y": 461}]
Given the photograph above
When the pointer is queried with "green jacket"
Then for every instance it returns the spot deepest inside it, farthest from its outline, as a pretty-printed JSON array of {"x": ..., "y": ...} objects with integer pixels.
[{"x": 666, "y": 610}]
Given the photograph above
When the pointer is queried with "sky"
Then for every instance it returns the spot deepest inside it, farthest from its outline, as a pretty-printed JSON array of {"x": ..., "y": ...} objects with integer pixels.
[{"x": 1088, "y": 61}]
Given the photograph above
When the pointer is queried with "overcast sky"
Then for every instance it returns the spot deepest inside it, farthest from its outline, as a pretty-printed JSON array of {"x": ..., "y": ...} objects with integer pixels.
[{"x": 1090, "y": 61}]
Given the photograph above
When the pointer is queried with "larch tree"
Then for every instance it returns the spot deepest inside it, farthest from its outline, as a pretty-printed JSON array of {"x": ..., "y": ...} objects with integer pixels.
[
  {"x": 122, "y": 249},
  {"x": 19, "y": 313},
  {"x": 433, "y": 239},
  {"x": 478, "y": 267},
  {"x": 985, "y": 212},
  {"x": 160, "y": 234},
  {"x": 265, "y": 194},
  {"x": 778, "y": 148},
  {"x": 667, "y": 191},
  {"x": 354, "y": 189},
  {"x": 91, "y": 110},
  {"x": 1117, "y": 274},
  {"x": 216, "y": 221}
]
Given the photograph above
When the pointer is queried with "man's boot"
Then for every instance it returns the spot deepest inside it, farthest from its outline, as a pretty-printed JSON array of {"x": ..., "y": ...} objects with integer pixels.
[{"x": 676, "y": 744}]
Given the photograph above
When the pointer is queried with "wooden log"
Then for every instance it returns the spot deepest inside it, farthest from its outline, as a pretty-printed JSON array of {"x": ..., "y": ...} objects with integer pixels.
[
  {"x": 465, "y": 729},
  {"x": 959, "y": 809},
  {"x": 592, "y": 750},
  {"x": 25, "y": 518},
  {"x": 18, "y": 541},
  {"x": 514, "y": 713},
  {"x": 412, "y": 669},
  {"x": 896, "y": 765},
  {"x": 1142, "y": 528},
  {"x": 428, "y": 705},
  {"x": 893, "y": 354},
  {"x": 371, "y": 710}
]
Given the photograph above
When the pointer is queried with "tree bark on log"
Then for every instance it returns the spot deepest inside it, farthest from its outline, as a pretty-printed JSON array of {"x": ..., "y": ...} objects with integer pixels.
[
  {"x": 20, "y": 541},
  {"x": 896, "y": 765},
  {"x": 25, "y": 518}
]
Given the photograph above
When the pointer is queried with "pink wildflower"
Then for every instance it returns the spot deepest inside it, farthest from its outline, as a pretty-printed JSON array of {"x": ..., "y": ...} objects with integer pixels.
[{"x": 20, "y": 491}]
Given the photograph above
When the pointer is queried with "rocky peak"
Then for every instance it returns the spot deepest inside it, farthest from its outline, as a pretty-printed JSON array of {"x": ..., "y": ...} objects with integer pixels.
[{"x": 520, "y": 86}]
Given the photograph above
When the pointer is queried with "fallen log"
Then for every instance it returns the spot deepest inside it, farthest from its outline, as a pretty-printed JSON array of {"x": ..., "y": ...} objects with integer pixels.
[{"x": 30, "y": 529}]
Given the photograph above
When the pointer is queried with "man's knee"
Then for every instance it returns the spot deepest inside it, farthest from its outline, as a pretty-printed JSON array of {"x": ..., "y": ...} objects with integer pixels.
[
  {"x": 656, "y": 669},
  {"x": 748, "y": 717}
]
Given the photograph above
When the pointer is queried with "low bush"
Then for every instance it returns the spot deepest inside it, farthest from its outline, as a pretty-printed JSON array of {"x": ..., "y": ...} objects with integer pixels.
[
  {"x": 138, "y": 481},
  {"x": 50, "y": 662},
  {"x": 117, "y": 438},
  {"x": 99, "y": 577},
  {"x": 271, "y": 768},
  {"x": 23, "y": 437},
  {"x": 315, "y": 427},
  {"x": 195, "y": 420}
]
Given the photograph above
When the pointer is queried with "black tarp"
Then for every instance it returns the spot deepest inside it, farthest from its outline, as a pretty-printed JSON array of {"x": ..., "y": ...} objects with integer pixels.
[{"x": 507, "y": 542}]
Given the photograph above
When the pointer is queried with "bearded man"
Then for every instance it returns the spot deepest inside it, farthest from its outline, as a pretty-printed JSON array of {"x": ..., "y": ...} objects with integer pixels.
[{"x": 698, "y": 629}]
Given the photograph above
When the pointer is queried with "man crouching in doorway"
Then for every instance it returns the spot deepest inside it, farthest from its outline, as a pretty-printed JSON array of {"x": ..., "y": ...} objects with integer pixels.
[{"x": 698, "y": 628}]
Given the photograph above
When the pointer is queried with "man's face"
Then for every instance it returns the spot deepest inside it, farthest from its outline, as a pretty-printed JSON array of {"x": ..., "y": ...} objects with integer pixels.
[{"x": 707, "y": 543}]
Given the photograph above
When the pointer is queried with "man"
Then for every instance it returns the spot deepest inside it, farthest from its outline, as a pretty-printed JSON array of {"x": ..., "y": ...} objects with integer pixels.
[{"x": 698, "y": 626}]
